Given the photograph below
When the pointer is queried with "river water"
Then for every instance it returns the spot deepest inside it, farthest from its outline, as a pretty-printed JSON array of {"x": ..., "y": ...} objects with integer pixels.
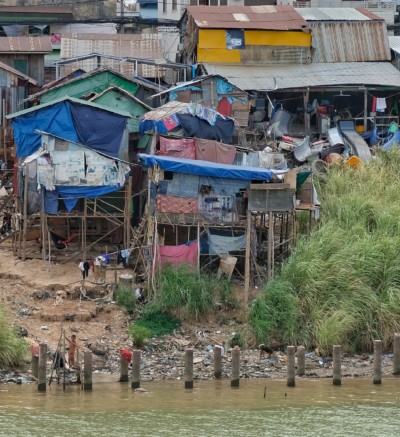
[{"x": 212, "y": 408}]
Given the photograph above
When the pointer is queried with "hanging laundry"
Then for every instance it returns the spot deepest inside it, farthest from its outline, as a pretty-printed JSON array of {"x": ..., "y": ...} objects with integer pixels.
[
  {"x": 177, "y": 255},
  {"x": 380, "y": 104},
  {"x": 123, "y": 256},
  {"x": 214, "y": 151},
  {"x": 84, "y": 267},
  {"x": 373, "y": 108},
  {"x": 179, "y": 148}
]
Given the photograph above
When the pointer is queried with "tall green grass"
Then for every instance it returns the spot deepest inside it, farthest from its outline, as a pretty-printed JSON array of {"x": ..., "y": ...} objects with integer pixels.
[
  {"x": 342, "y": 283},
  {"x": 12, "y": 348},
  {"x": 188, "y": 294}
]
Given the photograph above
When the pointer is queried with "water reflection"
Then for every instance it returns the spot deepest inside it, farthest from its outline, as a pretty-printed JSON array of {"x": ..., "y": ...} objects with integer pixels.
[{"x": 212, "y": 408}]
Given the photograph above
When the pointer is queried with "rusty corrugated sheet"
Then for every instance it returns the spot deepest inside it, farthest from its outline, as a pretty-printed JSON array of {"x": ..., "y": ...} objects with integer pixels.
[
  {"x": 248, "y": 17},
  {"x": 346, "y": 35},
  {"x": 349, "y": 41},
  {"x": 25, "y": 44}
]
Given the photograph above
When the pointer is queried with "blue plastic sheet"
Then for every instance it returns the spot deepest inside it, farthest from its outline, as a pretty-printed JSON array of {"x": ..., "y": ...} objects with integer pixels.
[
  {"x": 101, "y": 130},
  {"x": 55, "y": 119},
  {"x": 206, "y": 168}
]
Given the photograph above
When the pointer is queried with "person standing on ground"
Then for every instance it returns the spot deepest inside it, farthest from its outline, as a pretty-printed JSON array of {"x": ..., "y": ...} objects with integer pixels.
[{"x": 72, "y": 348}]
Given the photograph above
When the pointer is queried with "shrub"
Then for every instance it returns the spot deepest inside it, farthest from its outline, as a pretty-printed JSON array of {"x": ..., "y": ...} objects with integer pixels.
[
  {"x": 183, "y": 290},
  {"x": 125, "y": 297},
  {"x": 158, "y": 323},
  {"x": 12, "y": 348},
  {"x": 139, "y": 334}
]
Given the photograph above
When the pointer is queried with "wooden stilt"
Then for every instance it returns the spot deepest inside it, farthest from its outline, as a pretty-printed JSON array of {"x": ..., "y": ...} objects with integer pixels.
[
  {"x": 25, "y": 224},
  {"x": 270, "y": 244},
  {"x": 247, "y": 258}
]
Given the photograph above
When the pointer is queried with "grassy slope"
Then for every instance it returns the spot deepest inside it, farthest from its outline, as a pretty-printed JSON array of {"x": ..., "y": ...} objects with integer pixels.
[{"x": 342, "y": 283}]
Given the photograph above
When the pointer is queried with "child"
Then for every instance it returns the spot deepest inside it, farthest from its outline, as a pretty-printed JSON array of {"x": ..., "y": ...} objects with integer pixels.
[{"x": 73, "y": 346}]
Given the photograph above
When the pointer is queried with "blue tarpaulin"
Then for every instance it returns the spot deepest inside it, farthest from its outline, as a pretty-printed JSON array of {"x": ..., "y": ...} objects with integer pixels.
[
  {"x": 101, "y": 130},
  {"x": 74, "y": 121},
  {"x": 71, "y": 195},
  {"x": 54, "y": 119},
  {"x": 206, "y": 168}
]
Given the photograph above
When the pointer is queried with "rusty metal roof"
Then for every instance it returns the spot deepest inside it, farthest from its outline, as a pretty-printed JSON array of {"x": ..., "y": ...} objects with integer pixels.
[
  {"x": 249, "y": 77},
  {"x": 346, "y": 35},
  {"x": 248, "y": 17},
  {"x": 25, "y": 44}
]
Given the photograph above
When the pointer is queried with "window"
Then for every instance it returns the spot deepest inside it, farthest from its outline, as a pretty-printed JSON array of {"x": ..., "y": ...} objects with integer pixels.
[
  {"x": 174, "y": 5},
  {"x": 21, "y": 65},
  {"x": 164, "y": 6}
]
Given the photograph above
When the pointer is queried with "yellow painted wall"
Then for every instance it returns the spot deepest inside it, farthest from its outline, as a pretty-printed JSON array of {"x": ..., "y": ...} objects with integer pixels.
[
  {"x": 212, "y": 44},
  {"x": 218, "y": 55},
  {"x": 216, "y": 38},
  {"x": 277, "y": 38}
]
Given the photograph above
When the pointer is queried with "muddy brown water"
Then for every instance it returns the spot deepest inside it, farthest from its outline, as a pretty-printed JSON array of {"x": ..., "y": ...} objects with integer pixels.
[{"x": 212, "y": 408}]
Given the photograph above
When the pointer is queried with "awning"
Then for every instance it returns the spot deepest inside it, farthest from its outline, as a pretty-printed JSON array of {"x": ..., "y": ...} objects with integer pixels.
[
  {"x": 206, "y": 168},
  {"x": 277, "y": 77}
]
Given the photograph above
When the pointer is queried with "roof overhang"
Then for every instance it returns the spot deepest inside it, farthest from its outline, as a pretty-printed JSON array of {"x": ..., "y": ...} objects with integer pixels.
[{"x": 285, "y": 77}]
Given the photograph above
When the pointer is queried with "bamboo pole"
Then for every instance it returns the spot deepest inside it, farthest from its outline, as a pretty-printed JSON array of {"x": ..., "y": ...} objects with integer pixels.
[
  {"x": 247, "y": 258},
  {"x": 25, "y": 224},
  {"x": 270, "y": 245}
]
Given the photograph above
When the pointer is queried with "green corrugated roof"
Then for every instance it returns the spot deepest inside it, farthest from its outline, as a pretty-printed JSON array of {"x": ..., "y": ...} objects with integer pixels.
[{"x": 70, "y": 99}]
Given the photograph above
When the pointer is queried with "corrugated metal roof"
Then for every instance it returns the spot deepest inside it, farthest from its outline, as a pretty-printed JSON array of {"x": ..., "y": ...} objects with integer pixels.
[
  {"x": 70, "y": 99},
  {"x": 308, "y": 75},
  {"x": 349, "y": 41},
  {"x": 334, "y": 14},
  {"x": 394, "y": 43},
  {"x": 25, "y": 44},
  {"x": 248, "y": 17}
]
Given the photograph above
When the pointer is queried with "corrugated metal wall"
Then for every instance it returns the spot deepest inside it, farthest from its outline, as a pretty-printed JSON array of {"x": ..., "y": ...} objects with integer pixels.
[
  {"x": 349, "y": 41},
  {"x": 35, "y": 64}
]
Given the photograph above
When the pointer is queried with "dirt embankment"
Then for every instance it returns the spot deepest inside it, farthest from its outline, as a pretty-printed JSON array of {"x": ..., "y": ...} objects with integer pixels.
[{"x": 43, "y": 300}]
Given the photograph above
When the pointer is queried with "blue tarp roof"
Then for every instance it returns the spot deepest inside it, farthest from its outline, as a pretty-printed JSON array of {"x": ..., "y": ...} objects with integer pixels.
[
  {"x": 75, "y": 120},
  {"x": 206, "y": 168}
]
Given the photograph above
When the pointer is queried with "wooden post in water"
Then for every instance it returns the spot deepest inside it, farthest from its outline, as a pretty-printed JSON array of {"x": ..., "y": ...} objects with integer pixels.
[
  {"x": 235, "y": 375},
  {"x": 291, "y": 367},
  {"x": 124, "y": 376},
  {"x": 135, "y": 369},
  {"x": 337, "y": 365},
  {"x": 301, "y": 361},
  {"x": 42, "y": 367},
  {"x": 377, "y": 362},
  {"x": 396, "y": 354},
  {"x": 189, "y": 368},
  {"x": 87, "y": 371},
  {"x": 35, "y": 365},
  {"x": 78, "y": 365},
  {"x": 217, "y": 362}
]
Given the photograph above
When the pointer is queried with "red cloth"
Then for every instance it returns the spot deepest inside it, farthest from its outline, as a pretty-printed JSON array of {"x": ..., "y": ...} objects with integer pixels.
[
  {"x": 126, "y": 356},
  {"x": 211, "y": 150},
  {"x": 178, "y": 205},
  {"x": 373, "y": 109},
  {"x": 180, "y": 148},
  {"x": 224, "y": 107},
  {"x": 177, "y": 255}
]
